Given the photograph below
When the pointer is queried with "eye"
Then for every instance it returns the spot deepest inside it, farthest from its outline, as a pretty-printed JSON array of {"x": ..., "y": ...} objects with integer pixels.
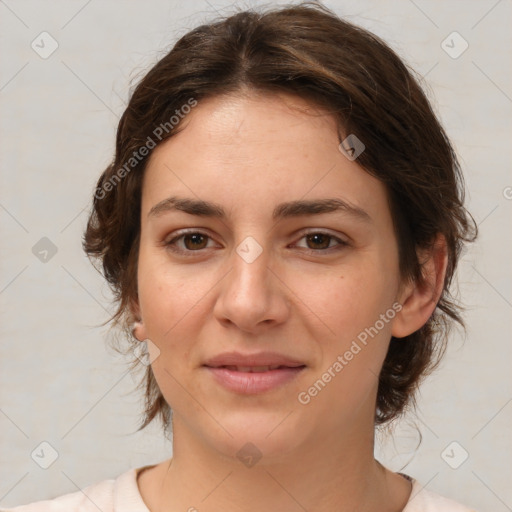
[
  {"x": 321, "y": 241},
  {"x": 192, "y": 241},
  {"x": 195, "y": 241}
]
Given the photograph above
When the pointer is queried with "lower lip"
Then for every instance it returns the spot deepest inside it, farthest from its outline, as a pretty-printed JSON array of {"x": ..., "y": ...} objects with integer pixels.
[{"x": 254, "y": 382}]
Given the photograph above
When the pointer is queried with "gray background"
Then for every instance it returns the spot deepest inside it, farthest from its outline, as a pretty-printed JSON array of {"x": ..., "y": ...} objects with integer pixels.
[{"x": 59, "y": 381}]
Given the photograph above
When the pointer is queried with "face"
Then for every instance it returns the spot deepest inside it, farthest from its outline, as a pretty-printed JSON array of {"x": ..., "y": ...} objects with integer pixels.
[{"x": 272, "y": 268}]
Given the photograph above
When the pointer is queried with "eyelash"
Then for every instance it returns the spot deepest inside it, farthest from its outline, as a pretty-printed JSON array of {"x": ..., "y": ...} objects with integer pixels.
[{"x": 171, "y": 244}]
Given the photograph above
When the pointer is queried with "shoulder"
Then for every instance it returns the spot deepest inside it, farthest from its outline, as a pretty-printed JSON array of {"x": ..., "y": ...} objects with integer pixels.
[
  {"x": 120, "y": 494},
  {"x": 99, "y": 494},
  {"x": 423, "y": 500}
]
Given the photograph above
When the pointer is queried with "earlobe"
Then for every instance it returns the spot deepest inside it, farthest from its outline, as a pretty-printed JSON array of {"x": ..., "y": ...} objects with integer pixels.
[
  {"x": 138, "y": 328},
  {"x": 419, "y": 299}
]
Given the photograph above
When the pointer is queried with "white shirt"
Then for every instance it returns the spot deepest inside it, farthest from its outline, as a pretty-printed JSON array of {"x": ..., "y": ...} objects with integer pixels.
[{"x": 122, "y": 495}]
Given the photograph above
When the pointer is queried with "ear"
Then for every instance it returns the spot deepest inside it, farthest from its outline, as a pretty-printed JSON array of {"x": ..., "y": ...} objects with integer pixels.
[
  {"x": 419, "y": 300},
  {"x": 138, "y": 327}
]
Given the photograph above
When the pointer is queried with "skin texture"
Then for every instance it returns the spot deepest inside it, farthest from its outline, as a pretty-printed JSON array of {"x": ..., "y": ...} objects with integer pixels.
[{"x": 249, "y": 153}]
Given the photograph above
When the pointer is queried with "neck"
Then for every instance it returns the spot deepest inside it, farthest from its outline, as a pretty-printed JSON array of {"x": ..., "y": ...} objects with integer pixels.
[{"x": 332, "y": 473}]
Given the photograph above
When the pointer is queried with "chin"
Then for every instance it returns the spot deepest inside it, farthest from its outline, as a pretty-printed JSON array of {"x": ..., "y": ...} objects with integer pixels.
[{"x": 257, "y": 436}]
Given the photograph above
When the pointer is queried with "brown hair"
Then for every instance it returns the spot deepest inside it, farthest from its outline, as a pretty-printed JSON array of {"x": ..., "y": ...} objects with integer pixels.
[{"x": 309, "y": 51}]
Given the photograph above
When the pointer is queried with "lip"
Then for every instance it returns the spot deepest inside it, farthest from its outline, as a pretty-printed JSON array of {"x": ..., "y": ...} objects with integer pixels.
[
  {"x": 250, "y": 360},
  {"x": 253, "y": 382}
]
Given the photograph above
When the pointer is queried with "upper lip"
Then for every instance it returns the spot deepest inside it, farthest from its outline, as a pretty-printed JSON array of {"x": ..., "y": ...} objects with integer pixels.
[{"x": 250, "y": 360}]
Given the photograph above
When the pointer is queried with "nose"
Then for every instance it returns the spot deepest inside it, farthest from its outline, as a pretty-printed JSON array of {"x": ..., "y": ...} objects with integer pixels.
[{"x": 253, "y": 296}]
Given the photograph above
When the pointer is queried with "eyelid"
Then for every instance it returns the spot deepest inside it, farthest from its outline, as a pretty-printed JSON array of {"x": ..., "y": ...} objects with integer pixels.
[
  {"x": 181, "y": 233},
  {"x": 341, "y": 242}
]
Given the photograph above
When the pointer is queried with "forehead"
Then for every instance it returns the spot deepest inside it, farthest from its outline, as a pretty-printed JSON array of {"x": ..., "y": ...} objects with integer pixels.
[
  {"x": 235, "y": 125},
  {"x": 257, "y": 148}
]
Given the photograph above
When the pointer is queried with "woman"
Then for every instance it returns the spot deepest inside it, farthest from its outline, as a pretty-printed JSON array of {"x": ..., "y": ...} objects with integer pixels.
[{"x": 280, "y": 224}]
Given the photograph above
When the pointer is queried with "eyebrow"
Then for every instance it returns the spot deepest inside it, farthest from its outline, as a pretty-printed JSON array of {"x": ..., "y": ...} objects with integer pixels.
[{"x": 281, "y": 211}]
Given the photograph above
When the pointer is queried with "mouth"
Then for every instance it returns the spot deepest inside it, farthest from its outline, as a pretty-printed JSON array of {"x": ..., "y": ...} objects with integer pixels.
[
  {"x": 255, "y": 369},
  {"x": 253, "y": 379}
]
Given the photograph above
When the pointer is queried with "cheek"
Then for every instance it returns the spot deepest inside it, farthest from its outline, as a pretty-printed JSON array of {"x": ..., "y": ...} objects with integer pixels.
[
  {"x": 167, "y": 303},
  {"x": 176, "y": 303},
  {"x": 356, "y": 309},
  {"x": 165, "y": 297},
  {"x": 348, "y": 301},
  {"x": 351, "y": 304},
  {"x": 170, "y": 305}
]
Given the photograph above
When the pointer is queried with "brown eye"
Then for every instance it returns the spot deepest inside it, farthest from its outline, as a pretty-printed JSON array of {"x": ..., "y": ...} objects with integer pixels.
[
  {"x": 192, "y": 241},
  {"x": 319, "y": 240}
]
